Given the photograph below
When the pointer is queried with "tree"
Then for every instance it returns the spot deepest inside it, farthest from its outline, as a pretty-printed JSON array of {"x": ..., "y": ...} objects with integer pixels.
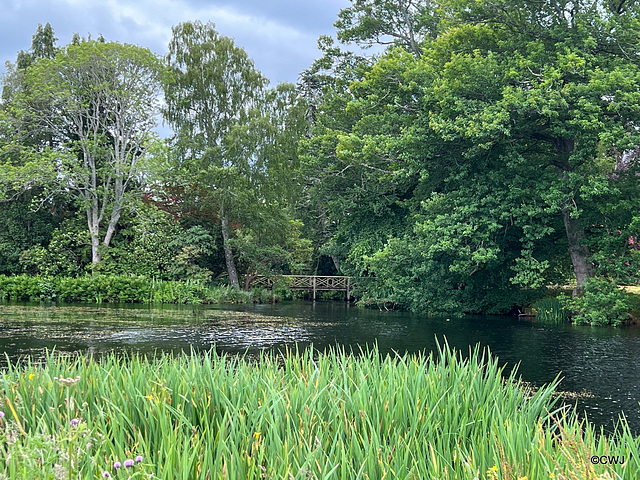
[
  {"x": 43, "y": 45},
  {"x": 486, "y": 154},
  {"x": 238, "y": 138},
  {"x": 400, "y": 22},
  {"x": 214, "y": 85},
  {"x": 545, "y": 84},
  {"x": 21, "y": 226},
  {"x": 99, "y": 101}
]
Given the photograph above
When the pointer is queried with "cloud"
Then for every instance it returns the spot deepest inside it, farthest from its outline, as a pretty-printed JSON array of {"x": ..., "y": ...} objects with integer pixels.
[
  {"x": 280, "y": 35},
  {"x": 274, "y": 45}
]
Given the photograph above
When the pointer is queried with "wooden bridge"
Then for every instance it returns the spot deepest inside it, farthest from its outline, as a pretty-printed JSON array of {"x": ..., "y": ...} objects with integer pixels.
[{"x": 311, "y": 283}]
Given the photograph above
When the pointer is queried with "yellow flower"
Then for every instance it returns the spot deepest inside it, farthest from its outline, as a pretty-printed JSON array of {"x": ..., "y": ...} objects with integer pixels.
[
  {"x": 552, "y": 475},
  {"x": 149, "y": 397},
  {"x": 494, "y": 468},
  {"x": 31, "y": 375},
  {"x": 256, "y": 435}
]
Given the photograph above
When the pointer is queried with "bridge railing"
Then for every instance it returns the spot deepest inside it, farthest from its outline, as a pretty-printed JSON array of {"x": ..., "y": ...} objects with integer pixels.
[{"x": 312, "y": 283}]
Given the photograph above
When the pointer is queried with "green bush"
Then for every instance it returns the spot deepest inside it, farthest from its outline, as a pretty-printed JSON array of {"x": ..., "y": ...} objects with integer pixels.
[
  {"x": 122, "y": 289},
  {"x": 24, "y": 287},
  {"x": 602, "y": 303},
  {"x": 634, "y": 303}
]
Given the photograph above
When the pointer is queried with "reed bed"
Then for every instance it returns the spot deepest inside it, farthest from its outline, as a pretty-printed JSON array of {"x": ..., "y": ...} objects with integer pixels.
[
  {"x": 550, "y": 310},
  {"x": 300, "y": 415}
]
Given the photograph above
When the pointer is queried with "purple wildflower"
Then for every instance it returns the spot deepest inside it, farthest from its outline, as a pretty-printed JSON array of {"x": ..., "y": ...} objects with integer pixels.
[
  {"x": 74, "y": 422},
  {"x": 106, "y": 475},
  {"x": 139, "y": 459},
  {"x": 128, "y": 463},
  {"x": 117, "y": 464},
  {"x": 1, "y": 414}
]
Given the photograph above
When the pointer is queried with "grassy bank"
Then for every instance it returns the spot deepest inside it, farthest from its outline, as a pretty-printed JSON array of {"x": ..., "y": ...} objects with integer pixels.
[
  {"x": 334, "y": 417},
  {"x": 121, "y": 289}
]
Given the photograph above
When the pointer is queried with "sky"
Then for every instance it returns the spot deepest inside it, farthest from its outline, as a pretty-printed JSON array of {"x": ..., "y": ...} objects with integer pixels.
[{"x": 280, "y": 35}]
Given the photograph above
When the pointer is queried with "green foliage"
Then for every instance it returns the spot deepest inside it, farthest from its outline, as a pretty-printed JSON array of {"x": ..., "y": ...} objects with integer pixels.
[
  {"x": 489, "y": 151},
  {"x": 22, "y": 228},
  {"x": 478, "y": 162},
  {"x": 266, "y": 250},
  {"x": 22, "y": 287},
  {"x": 403, "y": 22},
  {"x": 100, "y": 288},
  {"x": 550, "y": 310},
  {"x": 43, "y": 45},
  {"x": 143, "y": 245},
  {"x": 67, "y": 254},
  {"x": 602, "y": 303},
  {"x": 332, "y": 416},
  {"x": 194, "y": 291},
  {"x": 192, "y": 245},
  {"x": 154, "y": 243},
  {"x": 122, "y": 289},
  {"x": 236, "y": 137},
  {"x": 634, "y": 305},
  {"x": 92, "y": 107}
]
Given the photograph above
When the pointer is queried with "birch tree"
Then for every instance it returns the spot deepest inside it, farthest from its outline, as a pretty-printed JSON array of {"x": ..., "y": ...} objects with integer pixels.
[
  {"x": 99, "y": 101},
  {"x": 213, "y": 89}
]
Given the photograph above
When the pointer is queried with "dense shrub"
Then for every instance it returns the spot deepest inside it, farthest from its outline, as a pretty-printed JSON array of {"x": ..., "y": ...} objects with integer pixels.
[
  {"x": 22, "y": 287},
  {"x": 602, "y": 303},
  {"x": 121, "y": 289}
]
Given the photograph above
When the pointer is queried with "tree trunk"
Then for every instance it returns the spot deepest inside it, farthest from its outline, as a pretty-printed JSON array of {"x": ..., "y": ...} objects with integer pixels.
[
  {"x": 94, "y": 233},
  {"x": 96, "y": 256},
  {"x": 250, "y": 277},
  {"x": 336, "y": 262},
  {"x": 111, "y": 228},
  {"x": 577, "y": 250},
  {"x": 410, "y": 33},
  {"x": 228, "y": 252}
]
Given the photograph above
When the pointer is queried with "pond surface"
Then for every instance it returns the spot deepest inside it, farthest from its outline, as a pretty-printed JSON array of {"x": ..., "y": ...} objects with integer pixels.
[{"x": 602, "y": 365}]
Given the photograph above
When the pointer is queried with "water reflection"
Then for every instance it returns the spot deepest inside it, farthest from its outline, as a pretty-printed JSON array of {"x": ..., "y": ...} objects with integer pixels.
[{"x": 600, "y": 361}]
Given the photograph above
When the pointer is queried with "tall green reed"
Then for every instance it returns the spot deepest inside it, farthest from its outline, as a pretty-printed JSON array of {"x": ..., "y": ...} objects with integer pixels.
[
  {"x": 307, "y": 415},
  {"x": 550, "y": 310}
]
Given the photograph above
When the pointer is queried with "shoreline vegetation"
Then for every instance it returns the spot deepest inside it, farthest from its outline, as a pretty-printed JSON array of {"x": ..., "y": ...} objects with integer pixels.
[
  {"x": 125, "y": 289},
  {"x": 554, "y": 308},
  {"x": 302, "y": 414}
]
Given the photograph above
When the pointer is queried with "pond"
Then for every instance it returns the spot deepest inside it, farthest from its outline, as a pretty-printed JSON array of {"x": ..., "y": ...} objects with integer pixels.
[{"x": 599, "y": 367}]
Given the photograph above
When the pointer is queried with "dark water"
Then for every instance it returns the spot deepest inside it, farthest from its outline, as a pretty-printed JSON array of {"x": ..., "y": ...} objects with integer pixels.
[{"x": 602, "y": 365}]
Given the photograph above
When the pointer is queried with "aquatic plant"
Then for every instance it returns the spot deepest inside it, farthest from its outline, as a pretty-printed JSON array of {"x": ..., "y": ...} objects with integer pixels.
[
  {"x": 550, "y": 310},
  {"x": 331, "y": 415}
]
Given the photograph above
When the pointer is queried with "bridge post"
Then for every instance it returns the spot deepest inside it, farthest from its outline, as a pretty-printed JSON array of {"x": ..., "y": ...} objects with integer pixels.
[
  {"x": 347, "y": 292},
  {"x": 314, "y": 287}
]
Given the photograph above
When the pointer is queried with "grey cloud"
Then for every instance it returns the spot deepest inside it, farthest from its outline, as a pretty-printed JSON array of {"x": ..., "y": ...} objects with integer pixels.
[{"x": 280, "y": 35}]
